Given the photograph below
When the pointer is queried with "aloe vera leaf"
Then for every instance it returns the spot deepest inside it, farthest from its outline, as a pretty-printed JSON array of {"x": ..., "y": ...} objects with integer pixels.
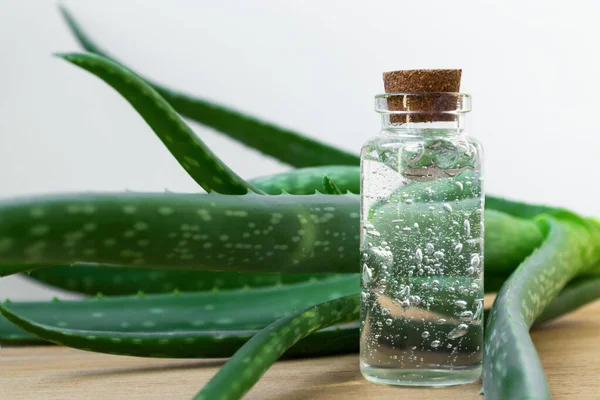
[
  {"x": 97, "y": 323},
  {"x": 575, "y": 295},
  {"x": 329, "y": 186},
  {"x": 520, "y": 209},
  {"x": 241, "y": 309},
  {"x": 512, "y": 368},
  {"x": 92, "y": 279},
  {"x": 251, "y": 361},
  {"x": 519, "y": 235},
  {"x": 340, "y": 340},
  {"x": 281, "y": 143},
  {"x": 251, "y": 233},
  {"x": 310, "y": 180},
  {"x": 201, "y": 344},
  {"x": 191, "y": 153}
]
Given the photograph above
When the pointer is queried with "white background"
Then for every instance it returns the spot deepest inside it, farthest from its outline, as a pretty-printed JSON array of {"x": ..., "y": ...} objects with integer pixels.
[{"x": 532, "y": 68}]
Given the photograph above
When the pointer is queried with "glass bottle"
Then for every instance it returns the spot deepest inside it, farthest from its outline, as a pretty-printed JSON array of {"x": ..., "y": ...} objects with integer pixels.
[{"x": 422, "y": 244}]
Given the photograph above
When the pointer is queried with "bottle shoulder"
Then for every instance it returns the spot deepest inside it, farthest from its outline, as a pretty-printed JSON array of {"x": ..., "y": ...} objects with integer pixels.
[
  {"x": 384, "y": 138},
  {"x": 444, "y": 151}
]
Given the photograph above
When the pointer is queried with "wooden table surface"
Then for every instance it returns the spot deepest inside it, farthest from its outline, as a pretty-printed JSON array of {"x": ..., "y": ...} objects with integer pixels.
[{"x": 569, "y": 349}]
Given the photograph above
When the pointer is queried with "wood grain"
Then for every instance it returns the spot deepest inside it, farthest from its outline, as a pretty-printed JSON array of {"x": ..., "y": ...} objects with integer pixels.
[{"x": 569, "y": 348}]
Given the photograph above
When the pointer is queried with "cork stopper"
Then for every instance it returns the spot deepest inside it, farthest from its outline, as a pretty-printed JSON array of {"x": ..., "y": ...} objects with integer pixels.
[{"x": 433, "y": 81}]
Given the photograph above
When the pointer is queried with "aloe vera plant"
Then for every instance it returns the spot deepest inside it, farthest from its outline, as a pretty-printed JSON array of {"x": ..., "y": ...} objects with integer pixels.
[{"x": 269, "y": 264}]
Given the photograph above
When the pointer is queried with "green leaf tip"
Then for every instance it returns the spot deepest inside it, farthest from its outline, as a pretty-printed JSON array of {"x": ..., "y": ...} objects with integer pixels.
[
  {"x": 86, "y": 42},
  {"x": 191, "y": 153},
  {"x": 71, "y": 55}
]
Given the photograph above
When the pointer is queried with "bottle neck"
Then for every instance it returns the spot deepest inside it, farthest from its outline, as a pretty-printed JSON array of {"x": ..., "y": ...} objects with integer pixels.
[
  {"x": 430, "y": 113},
  {"x": 448, "y": 125}
]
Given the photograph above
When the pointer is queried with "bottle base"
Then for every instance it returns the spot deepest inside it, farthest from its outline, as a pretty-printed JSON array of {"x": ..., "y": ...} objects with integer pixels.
[{"x": 421, "y": 377}]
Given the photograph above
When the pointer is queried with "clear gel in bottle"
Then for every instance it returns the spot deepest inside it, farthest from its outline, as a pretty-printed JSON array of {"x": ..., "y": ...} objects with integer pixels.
[{"x": 422, "y": 244}]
